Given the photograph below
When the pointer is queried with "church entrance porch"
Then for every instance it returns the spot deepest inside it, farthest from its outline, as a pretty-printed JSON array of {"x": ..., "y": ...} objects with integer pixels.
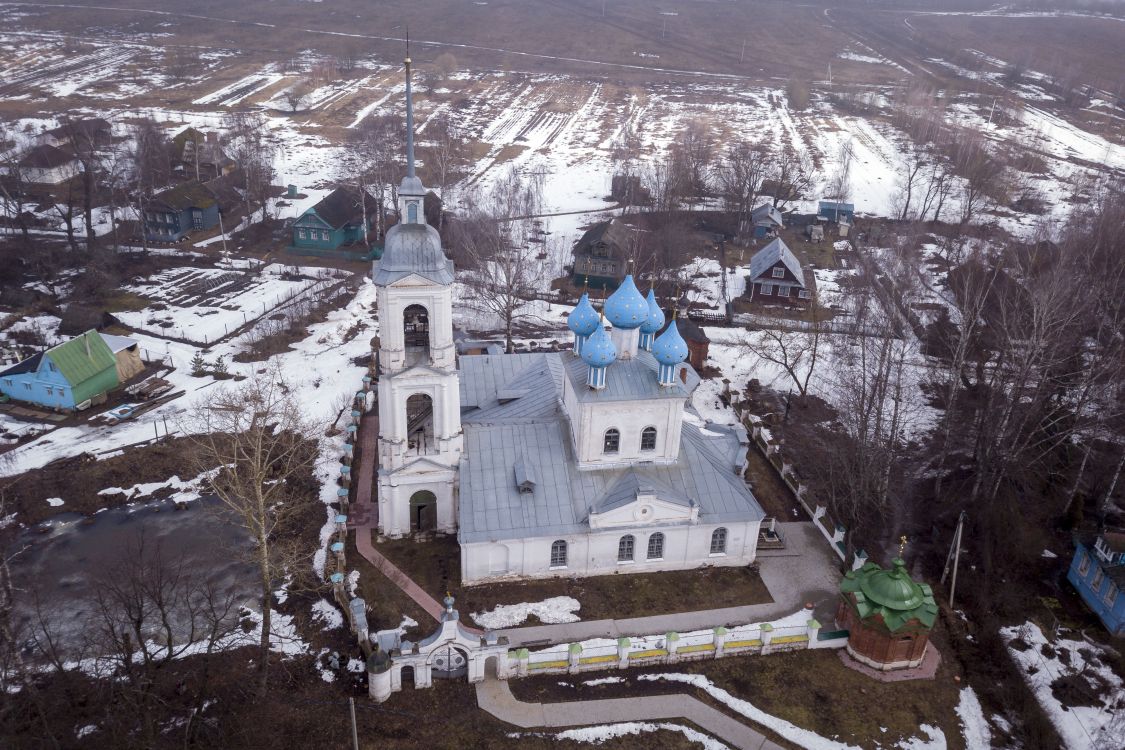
[{"x": 423, "y": 511}]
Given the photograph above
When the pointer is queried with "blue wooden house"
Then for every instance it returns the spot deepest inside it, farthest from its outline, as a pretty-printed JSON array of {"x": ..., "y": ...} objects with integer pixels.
[
  {"x": 1097, "y": 572},
  {"x": 65, "y": 377},
  {"x": 189, "y": 207},
  {"x": 836, "y": 211},
  {"x": 336, "y": 221}
]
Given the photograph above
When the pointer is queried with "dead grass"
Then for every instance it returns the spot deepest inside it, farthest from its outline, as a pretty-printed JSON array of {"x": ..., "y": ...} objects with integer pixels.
[
  {"x": 435, "y": 566},
  {"x": 812, "y": 689}
]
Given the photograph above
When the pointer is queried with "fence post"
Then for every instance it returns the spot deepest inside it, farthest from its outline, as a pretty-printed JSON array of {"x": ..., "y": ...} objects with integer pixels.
[
  {"x": 623, "y": 645},
  {"x": 573, "y": 654},
  {"x": 720, "y": 641}
]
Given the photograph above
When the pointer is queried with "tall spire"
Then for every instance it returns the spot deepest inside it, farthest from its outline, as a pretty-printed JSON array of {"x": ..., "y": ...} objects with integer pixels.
[{"x": 409, "y": 112}]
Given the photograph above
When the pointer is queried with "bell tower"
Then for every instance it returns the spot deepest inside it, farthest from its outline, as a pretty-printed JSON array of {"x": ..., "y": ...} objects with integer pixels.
[{"x": 420, "y": 437}]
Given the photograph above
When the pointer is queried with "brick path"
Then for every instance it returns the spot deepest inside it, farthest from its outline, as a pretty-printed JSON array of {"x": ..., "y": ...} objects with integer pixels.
[
  {"x": 495, "y": 697},
  {"x": 364, "y": 518}
]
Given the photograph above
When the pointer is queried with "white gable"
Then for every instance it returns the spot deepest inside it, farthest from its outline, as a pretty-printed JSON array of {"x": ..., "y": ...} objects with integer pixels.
[{"x": 646, "y": 510}]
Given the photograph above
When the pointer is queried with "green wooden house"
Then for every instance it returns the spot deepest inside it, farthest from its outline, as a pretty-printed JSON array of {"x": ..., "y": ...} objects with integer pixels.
[{"x": 335, "y": 223}]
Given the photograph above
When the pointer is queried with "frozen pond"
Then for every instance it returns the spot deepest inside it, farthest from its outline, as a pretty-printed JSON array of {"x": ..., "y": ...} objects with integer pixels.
[{"x": 64, "y": 561}]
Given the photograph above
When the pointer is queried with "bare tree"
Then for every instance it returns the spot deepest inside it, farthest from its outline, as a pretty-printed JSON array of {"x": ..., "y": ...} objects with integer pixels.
[
  {"x": 446, "y": 150},
  {"x": 373, "y": 152},
  {"x": 13, "y": 185},
  {"x": 266, "y": 446},
  {"x": 791, "y": 175},
  {"x": 506, "y": 274},
  {"x": 255, "y": 153},
  {"x": 151, "y": 166},
  {"x": 839, "y": 184},
  {"x": 692, "y": 153},
  {"x": 795, "y": 350},
  {"x": 741, "y": 172}
]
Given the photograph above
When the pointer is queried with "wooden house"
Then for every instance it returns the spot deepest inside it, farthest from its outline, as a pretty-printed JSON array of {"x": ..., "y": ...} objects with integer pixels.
[
  {"x": 65, "y": 377},
  {"x": 92, "y": 132},
  {"x": 47, "y": 165},
  {"x": 601, "y": 254},
  {"x": 776, "y": 276},
  {"x": 766, "y": 221},
  {"x": 200, "y": 155},
  {"x": 334, "y": 222},
  {"x": 189, "y": 207}
]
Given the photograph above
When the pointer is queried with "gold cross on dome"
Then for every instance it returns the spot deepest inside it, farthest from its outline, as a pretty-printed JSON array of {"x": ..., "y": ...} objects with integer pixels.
[{"x": 901, "y": 545}]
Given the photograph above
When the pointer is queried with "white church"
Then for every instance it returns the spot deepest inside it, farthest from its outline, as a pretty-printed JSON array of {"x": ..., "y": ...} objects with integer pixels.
[{"x": 563, "y": 464}]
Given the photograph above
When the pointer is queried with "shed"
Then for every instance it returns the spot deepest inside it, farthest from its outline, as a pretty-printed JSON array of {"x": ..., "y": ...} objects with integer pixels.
[
  {"x": 600, "y": 254},
  {"x": 766, "y": 220},
  {"x": 127, "y": 352},
  {"x": 836, "y": 211}
]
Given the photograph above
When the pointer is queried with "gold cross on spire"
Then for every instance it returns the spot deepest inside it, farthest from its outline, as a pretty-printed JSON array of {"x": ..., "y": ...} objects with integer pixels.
[{"x": 901, "y": 545}]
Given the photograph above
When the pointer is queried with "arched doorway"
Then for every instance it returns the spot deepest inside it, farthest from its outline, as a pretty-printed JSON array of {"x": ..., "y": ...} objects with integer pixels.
[
  {"x": 416, "y": 331},
  {"x": 419, "y": 423},
  {"x": 449, "y": 662},
  {"x": 423, "y": 511},
  {"x": 407, "y": 674}
]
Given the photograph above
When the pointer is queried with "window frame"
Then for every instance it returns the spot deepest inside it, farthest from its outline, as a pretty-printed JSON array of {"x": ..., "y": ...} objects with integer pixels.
[
  {"x": 559, "y": 554},
  {"x": 720, "y": 534},
  {"x": 804, "y": 294},
  {"x": 1099, "y": 578},
  {"x": 782, "y": 291},
  {"x": 655, "y": 542},
  {"x": 778, "y": 272},
  {"x": 1083, "y": 563},
  {"x": 647, "y": 432},
  {"x": 627, "y": 544},
  {"x": 616, "y": 435},
  {"x": 1110, "y": 597},
  {"x": 766, "y": 290}
]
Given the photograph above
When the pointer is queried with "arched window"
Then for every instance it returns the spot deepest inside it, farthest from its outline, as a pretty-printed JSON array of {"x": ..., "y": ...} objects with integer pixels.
[
  {"x": 648, "y": 439},
  {"x": 656, "y": 546},
  {"x": 719, "y": 542},
  {"x": 558, "y": 553},
  {"x": 612, "y": 440},
  {"x": 412, "y": 212},
  {"x": 416, "y": 327},
  {"x": 625, "y": 548}
]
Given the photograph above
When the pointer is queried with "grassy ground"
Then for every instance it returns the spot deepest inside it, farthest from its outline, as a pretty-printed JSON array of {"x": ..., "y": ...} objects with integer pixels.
[
  {"x": 386, "y": 603},
  {"x": 775, "y": 498},
  {"x": 435, "y": 566},
  {"x": 812, "y": 689}
]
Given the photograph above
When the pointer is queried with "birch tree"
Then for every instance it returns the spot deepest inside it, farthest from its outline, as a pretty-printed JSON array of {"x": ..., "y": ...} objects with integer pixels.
[
  {"x": 257, "y": 433},
  {"x": 796, "y": 351}
]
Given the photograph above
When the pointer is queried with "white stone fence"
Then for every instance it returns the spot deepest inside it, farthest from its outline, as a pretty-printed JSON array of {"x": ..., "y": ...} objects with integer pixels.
[
  {"x": 796, "y": 632},
  {"x": 760, "y": 435}
]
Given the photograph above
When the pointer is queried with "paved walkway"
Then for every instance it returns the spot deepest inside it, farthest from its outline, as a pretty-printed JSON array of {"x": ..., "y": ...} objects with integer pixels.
[
  {"x": 804, "y": 573},
  {"x": 495, "y": 697},
  {"x": 364, "y": 518}
]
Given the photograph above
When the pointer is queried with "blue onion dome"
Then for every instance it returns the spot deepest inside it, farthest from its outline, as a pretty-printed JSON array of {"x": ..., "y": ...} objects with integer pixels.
[
  {"x": 655, "y": 315},
  {"x": 583, "y": 318},
  {"x": 626, "y": 308},
  {"x": 599, "y": 351},
  {"x": 670, "y": 347}
]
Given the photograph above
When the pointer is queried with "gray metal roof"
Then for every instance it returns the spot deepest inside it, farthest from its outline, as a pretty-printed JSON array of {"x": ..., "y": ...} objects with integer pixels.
[
  {"x": 628, "y": 379},
  {"x": 529, "y": 437},
  {"x": 767, "y": 211},
  {"x": 767, "y": 258},
  {"x": 412, "y": 249}
]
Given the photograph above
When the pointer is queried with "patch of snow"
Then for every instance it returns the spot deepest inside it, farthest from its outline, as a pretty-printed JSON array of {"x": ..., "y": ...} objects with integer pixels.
[
  {"x": 604, "y": 681},
  {"x": 974, "y": 727},
  {"x": 329, "y": 616},
  {"x": 601, "y": 733},
  {"x": 356, "y": 666},
  {"x": 553, "y": 610},
  {"x": 83, "y": 731},
  {"x": 54, "y": 502},
  {"x": 1079, "y": 727},
  {"x": 934, "y": 740},
  {"x": 1048, "y": 555},
  {"x": 406, "y": 624}
]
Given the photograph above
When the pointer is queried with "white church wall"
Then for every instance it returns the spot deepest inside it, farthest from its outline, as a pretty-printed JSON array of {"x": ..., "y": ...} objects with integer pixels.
[
  {"x": 685, "y": 547},
  {"x": 630, "y": 418}
]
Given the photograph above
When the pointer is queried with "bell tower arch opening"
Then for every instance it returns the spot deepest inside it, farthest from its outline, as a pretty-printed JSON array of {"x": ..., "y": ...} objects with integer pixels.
[{"x": 416, "y": 333}]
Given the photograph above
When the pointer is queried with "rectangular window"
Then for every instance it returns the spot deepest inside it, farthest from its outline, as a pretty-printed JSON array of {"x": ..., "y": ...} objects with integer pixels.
[
  {"x": 300, "y": 234},
  {"x": 779, "y": 273},
  {"x": 27, "y": 386},
  {"x": 783, "y": 291},
  {"x": 1099, "y": 576},
  {"x": 7, "y": 381},
  {"x": 767, "y": 290},
  {"x": 1111, "y": 594},
  {"x": 804, "y": 294},
  {"x": 50, "y": 391},
  {"x": 1083, "y": 564}
]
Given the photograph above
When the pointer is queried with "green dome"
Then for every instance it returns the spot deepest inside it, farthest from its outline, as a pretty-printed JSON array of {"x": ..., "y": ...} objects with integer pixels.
[
  {"x": 889, "y": 595},
  {"x": 892, "y": 588}
]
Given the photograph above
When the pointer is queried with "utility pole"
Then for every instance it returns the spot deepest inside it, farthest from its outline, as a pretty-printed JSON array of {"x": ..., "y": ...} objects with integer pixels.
[
  {"x": 355, "y": 733},
  {"x": 664, "y": 29},
  {"x": 954, "y": 557},
  {"x": 742, "y": 57}
]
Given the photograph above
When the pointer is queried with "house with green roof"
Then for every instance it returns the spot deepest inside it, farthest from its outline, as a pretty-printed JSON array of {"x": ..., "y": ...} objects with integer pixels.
[
  {"x": 888, "y": 615},
  {"x": 64, "y": 377}
]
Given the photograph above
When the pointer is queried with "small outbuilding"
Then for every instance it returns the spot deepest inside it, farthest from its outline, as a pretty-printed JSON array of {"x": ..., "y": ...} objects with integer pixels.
[
  {"x": 127, "y": 352},
  {"x": 69, "y": 376},
  {"x": 836, "y": 211},
  {"x": 766, "y": 220},
  {"x": 888, "y": 616}
]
